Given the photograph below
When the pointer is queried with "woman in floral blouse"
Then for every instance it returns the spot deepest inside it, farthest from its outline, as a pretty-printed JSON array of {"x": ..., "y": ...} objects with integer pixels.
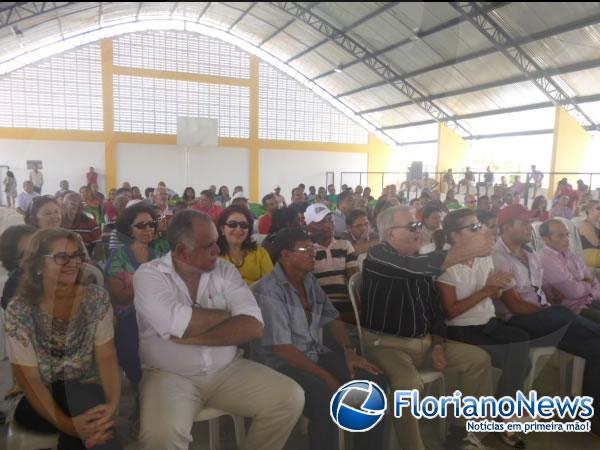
[{"x": 60, "y": 343}]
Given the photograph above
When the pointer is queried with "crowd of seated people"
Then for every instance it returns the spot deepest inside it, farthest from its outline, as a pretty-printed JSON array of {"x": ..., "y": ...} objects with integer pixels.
[{"x": 187, "y": 285}]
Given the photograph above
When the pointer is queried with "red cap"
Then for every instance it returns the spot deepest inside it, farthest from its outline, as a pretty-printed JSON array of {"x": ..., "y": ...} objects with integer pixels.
[{"x": 513, "y": 212}]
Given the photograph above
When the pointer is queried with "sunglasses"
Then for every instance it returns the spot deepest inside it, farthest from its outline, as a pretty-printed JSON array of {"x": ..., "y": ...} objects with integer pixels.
[
  {"x": 144, "y": 225},
  {"x": 233, "y": 224},
  {"x": 413, "y": 227},
  {"x": 474, "y": 227},
  {"x": 62, "y": 258}
]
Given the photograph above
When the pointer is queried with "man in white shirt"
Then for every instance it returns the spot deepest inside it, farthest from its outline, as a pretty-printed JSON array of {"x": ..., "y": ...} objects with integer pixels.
[
  {"x": 193, "y": 310},
  {"x": 25, "y": 198},
  {"x": 36, "y": 177}
]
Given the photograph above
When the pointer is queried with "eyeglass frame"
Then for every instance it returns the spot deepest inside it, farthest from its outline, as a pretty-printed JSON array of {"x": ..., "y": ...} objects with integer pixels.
[
  {"x": 80, "y": 255},
  {"x": 413, "y": 227},
  {"x": 473, "y": 227}
]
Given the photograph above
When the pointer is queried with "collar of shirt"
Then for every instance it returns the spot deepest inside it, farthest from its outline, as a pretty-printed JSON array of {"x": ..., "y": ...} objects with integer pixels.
[
  {"x": 322, "y": 247},
  {"x": 166, "y": 266},
  {"x": 506, "y": 249},
  {"x": 283, "y": 281}
]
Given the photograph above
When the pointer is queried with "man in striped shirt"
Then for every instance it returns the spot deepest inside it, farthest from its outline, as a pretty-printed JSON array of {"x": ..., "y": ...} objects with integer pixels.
[
  {"x": 407, "y": 329},
  {"x": 336, "y": 260}
]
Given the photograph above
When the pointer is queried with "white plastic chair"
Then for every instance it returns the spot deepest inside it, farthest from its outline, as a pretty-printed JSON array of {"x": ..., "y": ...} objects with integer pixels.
[
  {"x": 212, "y": 415},
  {"x": 428, "y": 377},
  {"x": 18, "y": 438},
  {"x": 536, "y": 353}
]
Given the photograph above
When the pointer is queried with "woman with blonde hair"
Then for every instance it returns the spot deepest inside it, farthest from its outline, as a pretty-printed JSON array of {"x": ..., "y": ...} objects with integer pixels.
[{"x": 60, "y": 343}]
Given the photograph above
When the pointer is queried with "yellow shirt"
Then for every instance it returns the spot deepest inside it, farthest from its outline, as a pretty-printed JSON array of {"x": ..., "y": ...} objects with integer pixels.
[{"x": 256, "y": 265}]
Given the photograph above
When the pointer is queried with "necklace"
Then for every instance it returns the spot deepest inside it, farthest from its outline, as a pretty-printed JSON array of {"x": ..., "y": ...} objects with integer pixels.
[{"x": 235, "y": 262}]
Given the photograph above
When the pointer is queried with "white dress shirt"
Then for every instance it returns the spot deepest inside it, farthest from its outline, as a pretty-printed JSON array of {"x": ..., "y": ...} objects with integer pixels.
[{"x": 164, "y": 309}]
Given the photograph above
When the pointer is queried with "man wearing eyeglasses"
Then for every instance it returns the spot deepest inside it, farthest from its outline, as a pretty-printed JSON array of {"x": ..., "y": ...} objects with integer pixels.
[
  {"x": 524, "y": 302},
  {"x": 402, "y": 311},
  {"x": 296, "y": 311},
  {"x": 193, "y": 310}
]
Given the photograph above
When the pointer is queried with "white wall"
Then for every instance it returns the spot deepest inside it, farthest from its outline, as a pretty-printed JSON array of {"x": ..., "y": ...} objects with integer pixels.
[
  {"x": 144, "y": 165},
  {"x": 288, "y": 168},
  {"x": 61, "y": 160}
]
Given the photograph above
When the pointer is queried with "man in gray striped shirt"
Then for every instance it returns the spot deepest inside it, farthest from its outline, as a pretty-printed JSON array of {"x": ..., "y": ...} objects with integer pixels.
[{"x": 407, "y": 329}]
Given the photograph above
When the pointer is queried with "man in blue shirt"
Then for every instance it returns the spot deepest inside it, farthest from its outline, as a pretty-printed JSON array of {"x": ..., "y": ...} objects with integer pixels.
[{"x": 295, "y": 310}]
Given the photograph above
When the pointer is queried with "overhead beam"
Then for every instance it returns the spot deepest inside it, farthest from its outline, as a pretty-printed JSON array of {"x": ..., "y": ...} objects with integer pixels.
[
  {"x": 359, "y": 22},
  {"x": 356, "y": 49},
  {"x": 284, "y": 26},
  {"x": 585, "y": 65},
  {"x": 244, "y": 14},
  {"x": 493, "y": 112},
  {"x": 498, "y": 36},
  {"x": 565, "y": 28},
  {"x": 21, "y": 11},
  {"x": 419, "y": 35}
]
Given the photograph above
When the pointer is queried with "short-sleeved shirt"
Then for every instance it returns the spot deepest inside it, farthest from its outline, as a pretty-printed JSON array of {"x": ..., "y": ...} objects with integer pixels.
[
  {"x": 24, "y": 200},
  {"x": 467, "y": 281},
  {"x": 257, "y": 264},
  {"x": 92, "y": 178},
  {"x": 399, "y": 296},
  {"x": 527, "y": 281},
  {"x": 164, "y": 309},
  {"x": 331, "y": 264},
  {"x": 286, "y": 321},
  {"x": 62, "y": 350},
  {"x": 122, "y": 264},
  {"x": 36, "y": 178}
]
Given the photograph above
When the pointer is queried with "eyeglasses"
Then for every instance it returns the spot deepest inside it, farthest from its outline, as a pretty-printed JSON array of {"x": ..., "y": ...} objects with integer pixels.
[
  {"x": 233, "y": 224},
  {"x": 144, "y": 225},
  {"x": 474, "y": 227},
  {"x": 62, "y": 258},
  {"x": 413, "y": 227}
]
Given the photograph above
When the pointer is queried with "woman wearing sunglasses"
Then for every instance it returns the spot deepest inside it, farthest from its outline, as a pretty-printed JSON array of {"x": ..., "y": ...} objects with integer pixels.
[
  {"x": 136, "y": 227},
  {"x": 467, "y": 291},
  {"x": 60, "y": 343},
  {"x": 237, "y": 246}
]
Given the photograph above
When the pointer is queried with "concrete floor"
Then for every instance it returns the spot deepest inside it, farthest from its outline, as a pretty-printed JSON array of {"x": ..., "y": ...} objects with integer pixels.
[{"x": 298, "y": 441}]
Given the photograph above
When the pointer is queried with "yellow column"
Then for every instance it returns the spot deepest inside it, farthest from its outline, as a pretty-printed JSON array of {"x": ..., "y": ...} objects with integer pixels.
[
  {"x": 110, "y": 146},
  {"x": 571, "y": 142},
  {"x": 452, "y": 151},
  {"x": 379, "y": 158},
  {"x": 254, "y": 144}
]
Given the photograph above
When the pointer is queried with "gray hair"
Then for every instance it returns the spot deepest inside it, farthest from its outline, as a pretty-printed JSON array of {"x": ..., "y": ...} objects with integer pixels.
[
  {"x": 181, "y": 228},
  {"x": 545, "y": 227},
  {"x": 385, "y": 219}
]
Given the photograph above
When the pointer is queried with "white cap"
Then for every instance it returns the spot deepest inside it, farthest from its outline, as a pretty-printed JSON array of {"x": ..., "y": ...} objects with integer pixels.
[{"x": 316, "y": 213}]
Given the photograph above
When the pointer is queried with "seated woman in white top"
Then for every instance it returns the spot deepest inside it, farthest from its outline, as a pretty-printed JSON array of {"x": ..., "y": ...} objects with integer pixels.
[{"x": 467, "y": 292}]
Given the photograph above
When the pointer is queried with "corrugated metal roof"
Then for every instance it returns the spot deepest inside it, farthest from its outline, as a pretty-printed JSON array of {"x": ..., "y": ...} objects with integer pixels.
[{"x": 426, "y": 37}]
